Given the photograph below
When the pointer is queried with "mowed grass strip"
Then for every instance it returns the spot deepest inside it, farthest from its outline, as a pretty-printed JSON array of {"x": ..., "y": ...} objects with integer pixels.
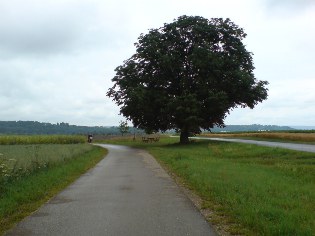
[
  {"x": 21, "y": 195},
  {"x": 253, "y": 190}
]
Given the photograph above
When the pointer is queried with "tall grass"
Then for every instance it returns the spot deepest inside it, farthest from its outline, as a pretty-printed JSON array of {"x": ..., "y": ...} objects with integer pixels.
[
  {"x": 41, "y": 139},
  {"x": 254, "y": 190},
  {"x": 17, "y": 161}
]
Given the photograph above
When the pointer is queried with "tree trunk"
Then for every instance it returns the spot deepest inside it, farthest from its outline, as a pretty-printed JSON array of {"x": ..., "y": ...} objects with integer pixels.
[{"x": 184, "y": 137}]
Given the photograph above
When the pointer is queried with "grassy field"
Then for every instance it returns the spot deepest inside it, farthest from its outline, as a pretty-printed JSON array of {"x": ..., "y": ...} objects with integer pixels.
[
  {"x": 252, "y": 190},
  {"x": 269, "y": 136},
  {"x": 33, "y": 173},
  {"x": 17, "y": 161}
]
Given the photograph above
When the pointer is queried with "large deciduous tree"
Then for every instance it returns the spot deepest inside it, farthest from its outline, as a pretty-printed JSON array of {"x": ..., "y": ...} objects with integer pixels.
[{"x": 187, "y": 75}]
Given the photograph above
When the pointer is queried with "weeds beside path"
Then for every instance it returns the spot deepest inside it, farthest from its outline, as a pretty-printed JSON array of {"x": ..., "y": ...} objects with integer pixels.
[{"x": 253, "y": 190}]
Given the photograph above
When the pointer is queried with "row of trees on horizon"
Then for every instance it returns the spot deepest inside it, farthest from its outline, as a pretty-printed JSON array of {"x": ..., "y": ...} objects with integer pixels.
[{"x": 35, "y": 127}]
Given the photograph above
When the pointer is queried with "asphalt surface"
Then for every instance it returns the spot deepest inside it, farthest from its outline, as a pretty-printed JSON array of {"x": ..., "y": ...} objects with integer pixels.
[
  {"x": 127, "y": 193},
  {"x": 293, "y": 146}
]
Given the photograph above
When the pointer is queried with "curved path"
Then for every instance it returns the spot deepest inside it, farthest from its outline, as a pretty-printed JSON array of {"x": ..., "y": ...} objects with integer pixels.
[
  {"x": 127, "y": 193},
  {"x": 293, "y": 146}
]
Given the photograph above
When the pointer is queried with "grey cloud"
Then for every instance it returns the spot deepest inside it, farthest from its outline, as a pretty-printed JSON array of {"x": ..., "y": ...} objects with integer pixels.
[
  {"x": 42, "y": 28},
  {"x": 57, "y": 57}
]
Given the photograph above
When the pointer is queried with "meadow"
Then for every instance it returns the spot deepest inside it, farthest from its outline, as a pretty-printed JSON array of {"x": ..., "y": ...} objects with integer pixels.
[
  {"x": 17, "y": 161},
  {"x": 31, "y": 173},
  {"x": 249, "y": 189}
]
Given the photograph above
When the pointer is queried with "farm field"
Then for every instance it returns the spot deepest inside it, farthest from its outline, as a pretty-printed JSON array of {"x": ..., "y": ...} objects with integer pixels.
[
  {"x": 249, "y": 189},
  {"x": 41, "y": 139},
  {"x": 30, "y": 174}
]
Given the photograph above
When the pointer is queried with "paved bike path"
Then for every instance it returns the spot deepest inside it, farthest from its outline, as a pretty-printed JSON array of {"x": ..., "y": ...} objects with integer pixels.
[
  {"x": 292, "y": 146},
  {"x": 127, "y": 193}
]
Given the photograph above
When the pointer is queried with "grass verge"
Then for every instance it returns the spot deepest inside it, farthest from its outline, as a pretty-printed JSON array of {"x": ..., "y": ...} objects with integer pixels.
[
  {"x": 23, "y": 195},
  {"x": 252, "y": 190}
]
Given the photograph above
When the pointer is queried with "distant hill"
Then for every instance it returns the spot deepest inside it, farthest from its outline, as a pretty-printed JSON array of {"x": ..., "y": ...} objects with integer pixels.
[
  {"x": 35, "y": 127},
  {"x": 304, "y": 127},
  {"x": 254, "y": 127}
]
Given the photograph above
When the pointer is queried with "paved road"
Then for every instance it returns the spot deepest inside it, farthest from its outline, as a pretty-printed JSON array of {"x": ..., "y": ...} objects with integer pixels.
[
  {"x": 127, "y": 193},
  {"x": 293, "y": 146}
]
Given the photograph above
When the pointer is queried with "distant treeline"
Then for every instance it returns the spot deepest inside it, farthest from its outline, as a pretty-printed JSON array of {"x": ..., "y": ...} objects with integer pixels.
[{"x": 35, "y": 127}]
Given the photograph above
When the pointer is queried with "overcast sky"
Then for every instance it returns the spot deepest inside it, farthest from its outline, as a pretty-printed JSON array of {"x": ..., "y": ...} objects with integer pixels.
[{"x": 57, "y": 58}]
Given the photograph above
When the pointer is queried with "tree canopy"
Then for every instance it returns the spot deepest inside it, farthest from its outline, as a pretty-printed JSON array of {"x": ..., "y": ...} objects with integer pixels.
[{"x": 187, "y": 75}]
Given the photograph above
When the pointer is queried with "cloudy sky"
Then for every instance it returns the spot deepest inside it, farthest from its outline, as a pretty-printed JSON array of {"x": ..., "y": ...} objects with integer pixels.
[{"x": 57, "y": 58}]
